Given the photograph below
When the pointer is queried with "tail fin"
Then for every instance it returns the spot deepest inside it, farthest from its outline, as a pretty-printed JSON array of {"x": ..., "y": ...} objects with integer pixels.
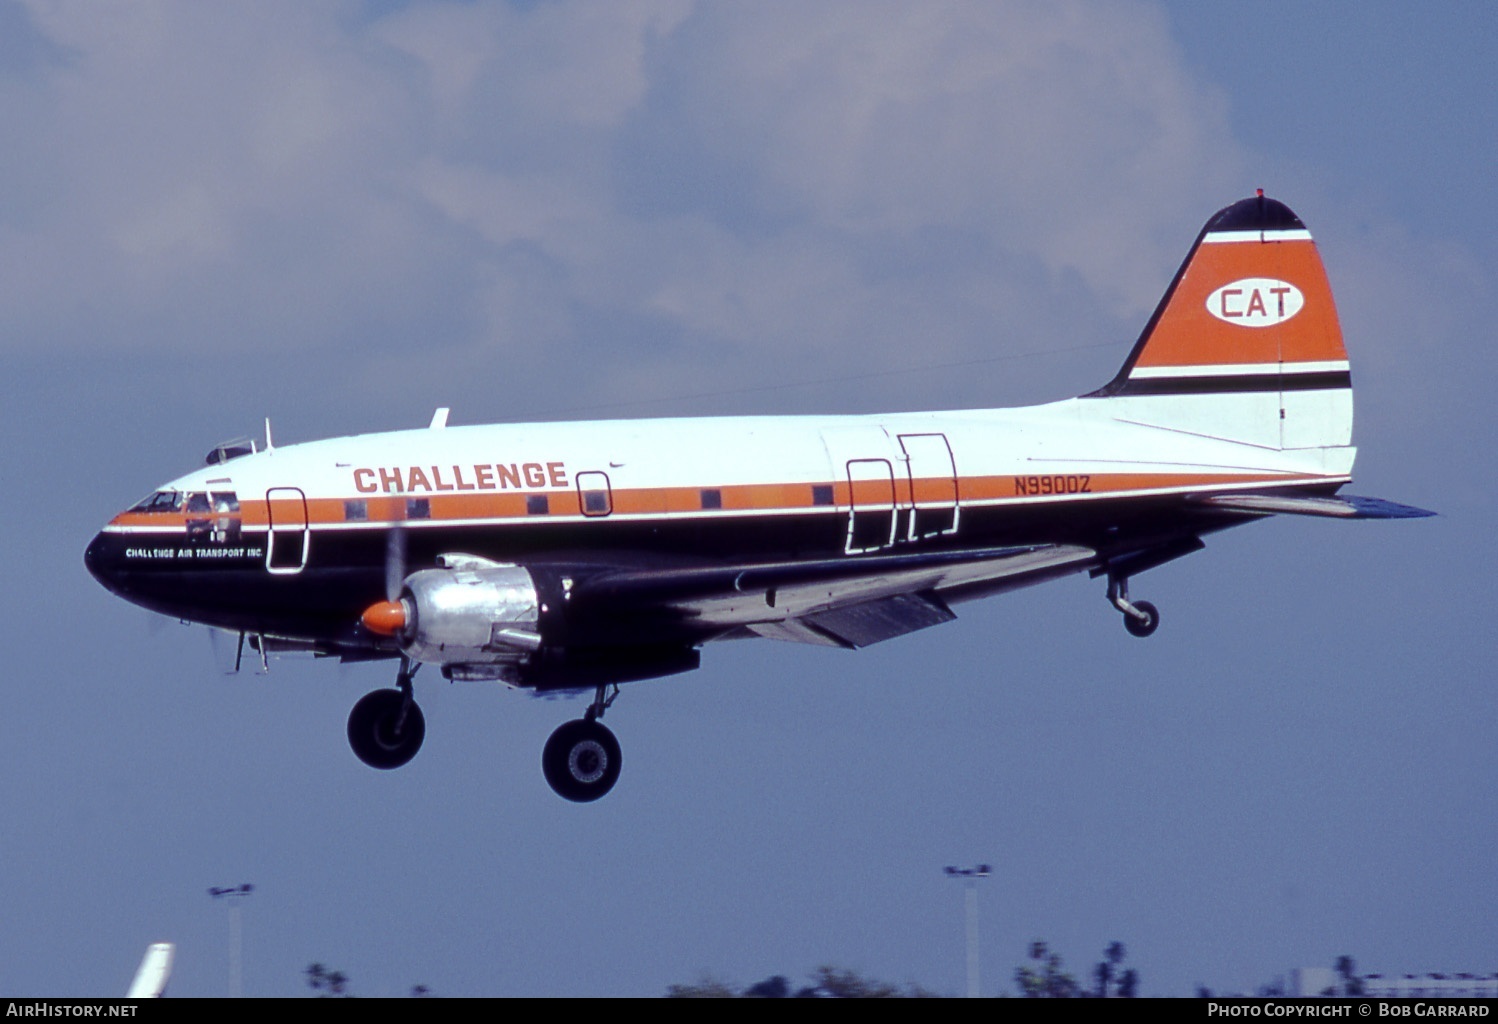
[{"x": 1245, "y": 345}]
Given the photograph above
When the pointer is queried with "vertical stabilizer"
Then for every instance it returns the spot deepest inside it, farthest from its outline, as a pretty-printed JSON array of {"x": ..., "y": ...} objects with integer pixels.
[{"x": 1245, "y": 346}]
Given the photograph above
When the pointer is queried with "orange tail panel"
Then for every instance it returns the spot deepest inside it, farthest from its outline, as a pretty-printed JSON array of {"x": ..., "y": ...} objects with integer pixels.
[{"x": 1250, "y": 313}]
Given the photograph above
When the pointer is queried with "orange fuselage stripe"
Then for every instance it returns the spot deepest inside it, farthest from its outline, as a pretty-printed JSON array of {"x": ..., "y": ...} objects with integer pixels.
[{"x": 733, "y": 498}]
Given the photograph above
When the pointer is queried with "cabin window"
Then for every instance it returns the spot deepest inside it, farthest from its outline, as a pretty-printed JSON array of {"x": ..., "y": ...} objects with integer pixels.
[
  {"x": 418, "y": 508},
  {"x": 712, "y": 497},
  {"x": 212, "y": 517},
  {"x": 594, "y": 496},
  {"x": 356, "y": 510},
  {"x": 821, "y": 494},
  {"x": 199, "y": 523},
  {"x": 536, "y": 505}
]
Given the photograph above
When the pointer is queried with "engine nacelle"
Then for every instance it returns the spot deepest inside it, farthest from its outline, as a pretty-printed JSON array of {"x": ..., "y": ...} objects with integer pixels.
[
  {"x": 481, "y": 620},
  {"x": 480, "y": 616}
]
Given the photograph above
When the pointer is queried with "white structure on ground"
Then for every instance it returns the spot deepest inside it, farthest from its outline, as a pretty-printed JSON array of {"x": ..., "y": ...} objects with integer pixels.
[{"x": 1315, "y": 981}]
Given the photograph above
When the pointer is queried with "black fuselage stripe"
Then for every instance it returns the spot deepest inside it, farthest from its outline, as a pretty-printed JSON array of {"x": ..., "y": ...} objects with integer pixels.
[{"x": 1330, "y": 380}]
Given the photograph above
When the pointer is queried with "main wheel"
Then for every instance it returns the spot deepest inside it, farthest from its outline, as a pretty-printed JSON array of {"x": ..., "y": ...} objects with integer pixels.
[
  {"x": 581, "y": 760},
  {"x": 385, "y": 729},
  {"x": 1145, "y": 626}
]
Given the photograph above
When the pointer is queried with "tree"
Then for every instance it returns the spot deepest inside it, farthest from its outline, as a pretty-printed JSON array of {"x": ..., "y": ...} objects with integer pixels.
[
  {"x": 827, "y": 983},
  {"x": 328, "y": 984},
  {"x": 325, "y": 982},
  {"x": 774, "y": 987},
  {"x": 833, "y": 983},
  {"x": 1045, "y": 979},
  {"x": 707, "y": 987},
  {"x": 1106, "y": 972},
  {"x": 1347, "y": 969}
]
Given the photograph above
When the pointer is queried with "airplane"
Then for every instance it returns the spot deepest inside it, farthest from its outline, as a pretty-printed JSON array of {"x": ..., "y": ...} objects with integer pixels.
[{"x": 580, "y": 556}]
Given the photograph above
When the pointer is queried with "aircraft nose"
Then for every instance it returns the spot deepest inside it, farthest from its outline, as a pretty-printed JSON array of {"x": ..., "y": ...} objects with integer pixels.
[{"x": 97, "y": 561}]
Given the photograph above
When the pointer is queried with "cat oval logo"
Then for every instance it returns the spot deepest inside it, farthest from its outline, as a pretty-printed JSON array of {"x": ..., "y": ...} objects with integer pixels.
[{"x": 1256, "y": 302}]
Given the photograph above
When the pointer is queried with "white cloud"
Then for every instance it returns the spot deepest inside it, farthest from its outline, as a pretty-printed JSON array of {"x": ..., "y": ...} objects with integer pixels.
[
  {"x": 1051, "y": 128},
  {"x": 565, "y": 63},
  {"x": 730, "y": 190}
]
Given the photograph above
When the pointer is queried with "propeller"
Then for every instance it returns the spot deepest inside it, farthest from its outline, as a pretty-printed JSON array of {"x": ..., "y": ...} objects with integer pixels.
[
  {"x": 395, "y": 562},
  {"x": 388, "y": 617},
  {"x": 226, "y": 655}
]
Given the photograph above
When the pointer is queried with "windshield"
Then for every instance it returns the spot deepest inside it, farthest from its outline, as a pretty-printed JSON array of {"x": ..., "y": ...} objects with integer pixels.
[
  {"x": 161, "y": 501},
  {"x": 191, "y": 502}
]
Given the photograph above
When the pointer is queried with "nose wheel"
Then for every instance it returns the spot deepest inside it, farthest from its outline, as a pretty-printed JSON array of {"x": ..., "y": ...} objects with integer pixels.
[
  {"x": 1140, "y": 617},
  {"x": 581, "y": 760},
  {"x": 386, "y": 727}
]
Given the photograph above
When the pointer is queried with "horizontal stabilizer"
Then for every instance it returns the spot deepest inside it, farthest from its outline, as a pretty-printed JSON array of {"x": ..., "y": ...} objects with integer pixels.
[
  {"x": 1343, "y": 506},
  {"x": 1379, "y": 508}
]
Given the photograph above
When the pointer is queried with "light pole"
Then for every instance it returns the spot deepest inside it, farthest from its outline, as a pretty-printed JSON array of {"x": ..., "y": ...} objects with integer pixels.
[
  {"x": 235, "y": 896},
  {"x": 970, "y": 878}
]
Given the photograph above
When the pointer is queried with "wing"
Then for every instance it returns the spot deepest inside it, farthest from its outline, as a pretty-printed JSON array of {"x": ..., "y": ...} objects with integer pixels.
[{"x": 844, "y": 602}]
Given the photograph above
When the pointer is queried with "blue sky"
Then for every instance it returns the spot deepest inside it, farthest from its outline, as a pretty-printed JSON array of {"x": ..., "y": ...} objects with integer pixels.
[{"x": 342, "y": 216}]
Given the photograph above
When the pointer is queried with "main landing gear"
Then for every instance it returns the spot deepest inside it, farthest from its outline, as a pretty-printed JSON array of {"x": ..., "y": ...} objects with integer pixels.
[
  {"x": 581, "y": 760},
  {"x": 386, "y": 727},
  {"x": 1140, "y": 617}
]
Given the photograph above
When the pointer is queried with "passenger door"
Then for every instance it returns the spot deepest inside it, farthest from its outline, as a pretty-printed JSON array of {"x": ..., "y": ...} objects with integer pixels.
[{"x": 287, "y": 537}]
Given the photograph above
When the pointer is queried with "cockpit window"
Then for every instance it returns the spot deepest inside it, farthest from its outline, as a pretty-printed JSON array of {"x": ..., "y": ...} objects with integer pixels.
[
  {"x": 230, "y": 450},
  {"x": 161, "y": 501},
  {"x": 193, "y": 503}
]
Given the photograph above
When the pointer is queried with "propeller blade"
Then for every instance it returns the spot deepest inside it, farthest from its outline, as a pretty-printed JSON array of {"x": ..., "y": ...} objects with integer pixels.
[{"x": 395, "y": 563}]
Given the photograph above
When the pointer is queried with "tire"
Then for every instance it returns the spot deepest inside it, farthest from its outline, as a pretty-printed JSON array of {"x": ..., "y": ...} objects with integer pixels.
[
  {"x": 1143, "y": 627},
  {"x": 372, "y": 729},
  {"x": 581, "y": 761}
]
